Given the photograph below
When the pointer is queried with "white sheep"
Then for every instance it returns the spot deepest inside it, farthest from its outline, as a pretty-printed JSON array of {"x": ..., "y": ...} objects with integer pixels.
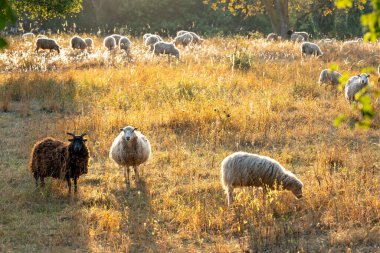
[
  {"x": 110, "y": 43},
  {"x": 296, "y": 38},
  {"x": 196, "y": 38},
  {"x": 166, "y": 48},
  {"x": 308, "y": 48},
  {"x": 244, "y": 169},
  {"x": 125, "y": 44},
  {"x": 45, "y": 43},
  {"x": 28, "y": 36},
  {"x": 145, "y": 36},
  {"x": 350, "y": 43},
  {"x": 305, "y": 35},
  {"x": 77, "y": 42},
  {"x": 89, "y": 42},
  {"x": 329, "y": 77},
  {"x": 354, "y": 85},
  {"x": 179, "y": 33},
  {"x": 184, "y": 39},
  {"x": 151, "y": 40},
  {"x": 273, "y": 37},
  {"x": 130, "y": 148}
]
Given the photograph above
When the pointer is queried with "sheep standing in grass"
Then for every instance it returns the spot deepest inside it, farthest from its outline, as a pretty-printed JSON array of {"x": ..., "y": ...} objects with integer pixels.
[
  {"x": 57, "y": 159},
  {"x": 305, "y": 35},
  {"x": 77, "y": 42},
  {"x": 354, "y": 85},
  {"x": 130, "y": 148},
  {"x": 297, "y": 38},
  {"x": 151, "y": 40},
  {"x": 45, "y": 43},
  {"x": 117, "y": 38},
  {"x": 273, "y": 37},
  {"x": 184, "y": 39},
  {"x": 244, "y": 169},
  {"x": 329, "y": 77},
  {"x": 125, "y": 44},
  {"x": 308, "y": 48},
  {"x": 110, "y": 43},
  {"x": 166, "y": 48},
  {"x": 196, "y": 38},
  {"x": 28, "y": 36},
  {"x": 89, "y": 42},
  {"x": 145, "y": 36}
]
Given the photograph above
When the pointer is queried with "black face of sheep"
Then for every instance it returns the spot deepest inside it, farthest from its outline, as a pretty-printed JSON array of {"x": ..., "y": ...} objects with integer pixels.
[
  {"x": 128, "y": 132},
  {"x": 77, "y": 143}
]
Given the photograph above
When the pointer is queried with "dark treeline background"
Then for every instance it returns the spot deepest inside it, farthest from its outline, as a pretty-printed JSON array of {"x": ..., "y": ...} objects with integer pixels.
[{"x": 165, "y": 17}]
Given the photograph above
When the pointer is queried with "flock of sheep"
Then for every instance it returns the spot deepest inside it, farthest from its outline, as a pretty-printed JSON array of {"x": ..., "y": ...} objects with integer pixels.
[
  {"x": 154, "y": 42},
  {"x": 54, "y": 158}
]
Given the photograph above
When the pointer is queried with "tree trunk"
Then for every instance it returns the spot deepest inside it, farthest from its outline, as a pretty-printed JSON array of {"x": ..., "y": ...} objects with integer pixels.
[{"x": 278, "y": 13}]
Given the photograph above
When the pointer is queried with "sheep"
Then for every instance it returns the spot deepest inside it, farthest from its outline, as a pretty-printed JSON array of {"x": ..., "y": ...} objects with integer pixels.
[
  {"x": 308, "y": 48},
  {"x": 305, "y": 35},
  {"x": 145, "y": 36},
  {"x": 110, "y": 43},
  {"x": 297, "y": 38},
  {"x": 354, "y": 85},
  {"x": 89, "y": 42},
  {"x": 166, "y": 48},
  {"x": 41, "y": 36},
  {"x": 329, "y": 77},
  {"x": 179, "y": 33},
  {"x": 244, "y": 169},
  {"x": 117, "y": 37},
  {"x": 124, "y": 44},
  {"x": 53, "y": 158},
  {"x": 151, "y": 40},
  {"x": 130, "y": 148},
  {"x": 184, "y": 39},
  {"x": 27, "y": 36},
  {"x": 196, "y": 38},
  {"x": 273, "y": 37},
  {"x": 350, "y": 44},
  {"x": 77, "y": 42},
  {"x": 45, "y": 43}
]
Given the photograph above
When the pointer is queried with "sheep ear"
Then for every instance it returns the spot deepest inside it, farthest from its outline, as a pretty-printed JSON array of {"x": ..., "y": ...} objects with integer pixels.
[
  {"x": 135, "y": 129},
  {"x": 84, "y": 134},
  {"x": 73, "y": 135}
]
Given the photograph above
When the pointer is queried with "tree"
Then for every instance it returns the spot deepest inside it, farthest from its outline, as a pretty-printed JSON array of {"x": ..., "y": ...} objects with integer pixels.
[{"x": 7, "y": 16}]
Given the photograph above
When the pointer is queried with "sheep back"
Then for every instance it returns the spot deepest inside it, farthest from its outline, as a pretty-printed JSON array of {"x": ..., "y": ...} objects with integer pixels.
[
  {"x": 166, "y": 48},
  {"x": 308, "y": 48},
  {"x": 109, "y": 42},
  {"x": 45, "y": 43},
  {"x": 329, "y": 77}
]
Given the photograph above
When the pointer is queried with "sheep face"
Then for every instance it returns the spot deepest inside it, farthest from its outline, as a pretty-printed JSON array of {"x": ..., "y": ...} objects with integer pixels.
[
  {"x": 363, "y": 78},
  {"x": 77, "y": 143},
  {"x": 297, "y": 190},
  {"x": 129, "y": 133}
]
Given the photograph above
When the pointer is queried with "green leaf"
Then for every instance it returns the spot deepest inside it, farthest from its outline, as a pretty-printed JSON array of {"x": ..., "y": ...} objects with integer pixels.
[{"x": 341, "y": 4}]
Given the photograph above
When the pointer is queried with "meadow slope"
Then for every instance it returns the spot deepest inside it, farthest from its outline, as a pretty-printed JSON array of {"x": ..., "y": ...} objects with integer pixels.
[{"x": 230, "y": 94}]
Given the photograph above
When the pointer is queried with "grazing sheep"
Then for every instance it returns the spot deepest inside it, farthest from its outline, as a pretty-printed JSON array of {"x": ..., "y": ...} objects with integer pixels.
[
  {"x": 110, "y": 43},
  {"x": 196, "y": 38},
  {"x": 297, "y": 38},
  {"x": 166, "y": 48},
  {"x": 244, "y": 169},
  {"x": 41, "y": 36},
  {"x": 308, "y": 48},
  {"x": 145, "y": 36},
  {"x": 45, "y": 43},
  {"x": 179, "y": 33},
  {"x": 151, "y": 40},
  {"x": 125, "y": 44},
  {"x": 54, "y": 158},
  {"x": 305, "y": 35},
  {"x": 329, "y": 77},
  {"x": 354, "y": 85},
  {"x": 130, "y": 148},
  {"x": 117, "y": 37},
  {"x": 28, "y": 36},
  {"x": 77, "y": 42},
  {"x": 273, "y": 37},
  {"x": 184, "y": 39},
  {"x": 89, "y": 42}
]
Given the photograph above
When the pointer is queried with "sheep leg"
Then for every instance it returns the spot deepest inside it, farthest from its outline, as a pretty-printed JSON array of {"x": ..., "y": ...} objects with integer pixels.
[
  {"x": 136, "y": 174},
  {"x": 36, "y": 178},
  {"x": 69, "y": 184},
  {"x": 42, "y": 181},
  {"x": 230, "y": 196},
  {"x": 75, "y": 184},
  {"x": 126, "y": 175}
]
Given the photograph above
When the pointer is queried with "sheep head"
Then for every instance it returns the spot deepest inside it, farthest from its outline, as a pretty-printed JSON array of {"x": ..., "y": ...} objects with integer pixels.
[
  {"x": 128, "y": 132},
  {"x": 77, "y": 143}
]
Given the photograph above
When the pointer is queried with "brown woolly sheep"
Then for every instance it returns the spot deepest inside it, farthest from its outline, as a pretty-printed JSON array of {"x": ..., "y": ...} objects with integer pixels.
[{"x": 53, "y": 158}]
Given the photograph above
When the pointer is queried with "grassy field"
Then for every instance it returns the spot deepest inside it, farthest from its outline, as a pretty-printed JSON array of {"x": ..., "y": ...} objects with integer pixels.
[{"x": 230, "y": 94}]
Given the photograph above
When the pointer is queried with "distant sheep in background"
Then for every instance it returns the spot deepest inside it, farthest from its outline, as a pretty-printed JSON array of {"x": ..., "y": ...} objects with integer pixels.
[
  {"x": 77, "y": 42},
  {"x": 28, "y": 36},
  {"x": 125, "y": 44},
  {"x": 297, "y": 38},
  {"x": 308, "y": 48},
  {"x": 130, "y": 148},
  {"x": 166, "y": 48},
  {"x": 273, "y": 37},
  {"x": 305, "y": 35},
  {"x": 145, "y": 36},
  {"x": 184, "y": 39},
  {"x": 110, "y": 43},
  {"x": 354, "y": 85},
  {"x": 45, "y": 43},
  {"x": 117, "y": 38},
  {"x": 329, "y": 77},
  {"x": 244, "y": 169},
  {"x": 196, "y": 38},
  {"x": 151, "y": 40},
  {"x": 53, "y": 158},
  {"x": 89, "y": 42}
]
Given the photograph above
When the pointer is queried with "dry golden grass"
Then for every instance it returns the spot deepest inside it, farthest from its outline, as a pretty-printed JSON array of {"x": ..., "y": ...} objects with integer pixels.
[{"x": 195, "y": 112}]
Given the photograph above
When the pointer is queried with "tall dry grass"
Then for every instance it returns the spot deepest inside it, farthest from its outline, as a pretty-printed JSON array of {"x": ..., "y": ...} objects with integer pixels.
[{"x": 230, "y": 94}]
